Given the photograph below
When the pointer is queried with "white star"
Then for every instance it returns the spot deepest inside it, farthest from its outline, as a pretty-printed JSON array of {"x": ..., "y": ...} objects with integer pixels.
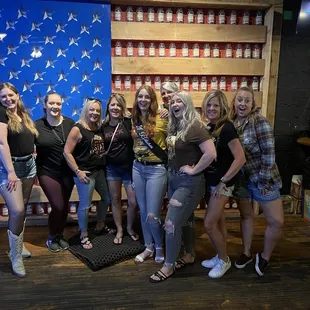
[
  {"x": 73, "y": 40},
  {"x": 98, "y": 88},
  {"x": 75, "y": 88},
  {"x": 12, "y": 49},
  {"x": 96, "y": 41},
  {"x": 74, "y": 64},
  {"x": 86, "y": 77},
  {"x": 50, "y": 87},
  {"x": 97, "y": 65},
  {"x": 24, "y": 38},
  {"x": 72, "y": 16},
  {"x": 38, "y": 75},
  {"x": 61, "y": 52},
  {"x": 36, "y": 26},
  {"x": 61, "y": 27},
  {"x": 47, "y": 14},
  {"x": 85, "y": 28},
  {"x": 14, "y": 74},
  {"x": 0, "y": 12},
  {"x": 76, "y": 110},
  {"x": 36, "y": 51},
  {"x": 65, "y": 98},
  {"x": 50, "y": 63},
  {"x": 96, "y": 18},
  {"x": 22, "y": 13},
  {"x": 29, "y": 110},
  {"x": 49, "y": 39},
  {"x": 2, "y": 36},
  {"x": 85, "y": 53},
  {"x": 25, "y": 62},
  {"x": 10, "y": 24},
  {"x": 27, "y": 86},
  {"x": 2, "y": 61},
  {"x": 39, "y": 98},
  {"x": 62, "y": 75}
]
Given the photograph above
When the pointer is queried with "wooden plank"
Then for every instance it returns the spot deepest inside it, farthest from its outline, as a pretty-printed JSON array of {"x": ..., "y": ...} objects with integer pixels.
[
  {"x": 229, "y": 4},
  {"x": 188, "y": 32},
  {"x": 197, "y": 97},
  {"x": 191, "y": 66},
  {"x": 271, "y": 53}
]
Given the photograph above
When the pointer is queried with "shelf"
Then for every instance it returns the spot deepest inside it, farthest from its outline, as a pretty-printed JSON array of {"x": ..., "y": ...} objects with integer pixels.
[
  {"x": 229, "y": 4},
  {"x": 197, "y": 97},
  {"x": 187, "y": 66},
  {"x": 188, "y": 32}
]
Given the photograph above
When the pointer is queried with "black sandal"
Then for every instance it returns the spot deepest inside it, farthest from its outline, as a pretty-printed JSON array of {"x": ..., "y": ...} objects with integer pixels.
[
  {"x": 104, "y": 230},
  {"x": 161, "y": 276},
  {"x": 182, "y": 263}
]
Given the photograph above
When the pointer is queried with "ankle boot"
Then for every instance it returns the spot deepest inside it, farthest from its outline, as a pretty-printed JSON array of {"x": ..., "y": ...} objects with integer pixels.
[
  {"x": 25, "y": 253},
  {"x": 16, "y": 248}
]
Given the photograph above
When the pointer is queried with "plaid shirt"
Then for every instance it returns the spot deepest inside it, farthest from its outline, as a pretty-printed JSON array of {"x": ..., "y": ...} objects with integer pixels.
[{"x": 257, "y": 138}]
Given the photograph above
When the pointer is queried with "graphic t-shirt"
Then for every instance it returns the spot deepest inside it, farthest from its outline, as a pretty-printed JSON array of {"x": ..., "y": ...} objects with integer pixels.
[
  {"x": 20, "y": 143},
  {"x": 187, "y": 152},
  {"x": 159, "y": 137},
  {"x": 89, "y": 152},
  {"x": 50, "y": 160},
  {"x": 224, "y": 159},
  {"x": 121, "y": 151}
]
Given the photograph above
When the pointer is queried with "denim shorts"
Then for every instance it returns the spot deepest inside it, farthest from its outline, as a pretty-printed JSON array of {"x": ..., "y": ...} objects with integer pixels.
[
  {"x": 25, "y": 169},
  {"x": 227, "y": 191},
  {"x": 115, "y": 173},
  {"x": 250, "y": 191}
]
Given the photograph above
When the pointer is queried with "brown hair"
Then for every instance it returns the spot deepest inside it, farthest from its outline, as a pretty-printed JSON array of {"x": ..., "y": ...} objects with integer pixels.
[
  {"x": 150, "y": 119},
  {"x": 232, "y": 112},
  {"x": 14, "y": 124},
  {"x": 46, "y": 99},
  {"x": 120, "y": 98}
]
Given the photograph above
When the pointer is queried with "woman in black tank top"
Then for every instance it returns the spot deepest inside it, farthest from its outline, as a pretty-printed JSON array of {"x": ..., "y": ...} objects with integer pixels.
[{"x": 84, "y": 152}]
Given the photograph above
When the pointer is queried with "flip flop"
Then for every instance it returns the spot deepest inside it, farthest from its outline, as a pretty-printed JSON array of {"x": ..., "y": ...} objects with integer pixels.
[
  {"x": 119, "y": 240},
  {"x": 161, "y": 276},
  {"x": 134, "y": 236}
]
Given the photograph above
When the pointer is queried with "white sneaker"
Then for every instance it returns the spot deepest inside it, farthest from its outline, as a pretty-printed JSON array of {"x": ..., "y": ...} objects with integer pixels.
[
  {"x": 210, "y": 263},
  {"x": 220, "y": 269}
]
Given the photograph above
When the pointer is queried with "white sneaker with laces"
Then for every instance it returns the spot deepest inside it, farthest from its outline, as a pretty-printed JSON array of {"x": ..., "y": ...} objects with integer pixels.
[
  {"x": 210, "y": 263},
  {"x": 219, "y": 269}
]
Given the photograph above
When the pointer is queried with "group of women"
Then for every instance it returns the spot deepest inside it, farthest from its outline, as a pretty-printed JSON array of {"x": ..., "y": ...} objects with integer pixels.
[{"x": 231, "y": 151}]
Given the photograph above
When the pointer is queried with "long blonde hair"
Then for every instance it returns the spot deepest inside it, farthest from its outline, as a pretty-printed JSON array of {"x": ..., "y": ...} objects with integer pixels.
[
  {"x": 224, "y": 109},
  {"x": 150, "y": 119},
  {"x": 14, "y": 124},
  {"x": 190, "y": 115},
  {"x": 232, "y": 112},
  {"x": 121, "y": 101},
  {"x": 84, "y": 113}
]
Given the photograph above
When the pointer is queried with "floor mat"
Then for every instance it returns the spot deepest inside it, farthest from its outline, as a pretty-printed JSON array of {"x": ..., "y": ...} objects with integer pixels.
[{"x": 104, "y": 252}]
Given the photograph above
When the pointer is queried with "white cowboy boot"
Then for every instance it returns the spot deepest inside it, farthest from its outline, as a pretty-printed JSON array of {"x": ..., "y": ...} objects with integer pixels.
[
  {"x": 25, "y": 253},
  {"x": 16, "y": 247}
]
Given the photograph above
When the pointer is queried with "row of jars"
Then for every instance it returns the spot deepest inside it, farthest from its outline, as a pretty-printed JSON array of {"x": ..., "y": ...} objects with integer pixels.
[
  {"x": 186, "y": 83},
  {"x": 189, "y": 17},
  {"x": 150, "y": 50}
]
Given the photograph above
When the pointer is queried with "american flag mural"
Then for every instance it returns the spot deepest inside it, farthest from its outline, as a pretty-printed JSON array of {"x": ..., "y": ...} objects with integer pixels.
[{"x": 50, "y": 46}]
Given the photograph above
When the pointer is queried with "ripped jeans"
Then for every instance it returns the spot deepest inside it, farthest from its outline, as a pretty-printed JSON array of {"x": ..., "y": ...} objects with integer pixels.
[
  {"x": 184, "y": 193},
  {"x": 150, "y": 185}
]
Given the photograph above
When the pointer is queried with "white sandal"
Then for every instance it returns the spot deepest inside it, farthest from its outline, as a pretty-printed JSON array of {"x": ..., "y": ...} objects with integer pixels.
[
  {"x": 139, "y": 259},
  {"x": 159, "y": 259}
]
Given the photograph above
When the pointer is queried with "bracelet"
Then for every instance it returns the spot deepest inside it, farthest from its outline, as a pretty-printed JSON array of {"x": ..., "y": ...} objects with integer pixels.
[
  {"x": 222, "y": 180},
  {"x": 77, "y": 171}
]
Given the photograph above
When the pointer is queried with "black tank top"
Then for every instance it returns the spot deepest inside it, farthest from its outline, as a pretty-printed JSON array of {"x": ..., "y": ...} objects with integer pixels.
[{"x": 89, "y": 152}]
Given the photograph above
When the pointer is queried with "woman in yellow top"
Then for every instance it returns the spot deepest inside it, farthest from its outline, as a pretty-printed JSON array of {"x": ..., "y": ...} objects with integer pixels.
[{"x": 149, "y": 169}]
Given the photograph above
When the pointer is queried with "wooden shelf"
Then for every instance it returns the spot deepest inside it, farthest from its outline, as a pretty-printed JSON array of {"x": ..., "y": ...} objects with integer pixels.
[
  {"x": 188, "y": 32},
  {"x": 196, "y": 95},
  {"x": 187, "y": 66},
  {"x": 237, "y": 4}
]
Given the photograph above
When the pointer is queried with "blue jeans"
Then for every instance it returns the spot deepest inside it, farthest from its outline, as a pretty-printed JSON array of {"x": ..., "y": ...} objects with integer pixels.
[
  {"x": 85, "y": 191},
  {"x": 150, "y": 184},
  {"x": 184, "y": 193}
]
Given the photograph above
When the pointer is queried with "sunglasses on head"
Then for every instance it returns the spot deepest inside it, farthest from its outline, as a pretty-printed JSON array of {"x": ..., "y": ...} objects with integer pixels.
[{"x": 94, "y": 99}]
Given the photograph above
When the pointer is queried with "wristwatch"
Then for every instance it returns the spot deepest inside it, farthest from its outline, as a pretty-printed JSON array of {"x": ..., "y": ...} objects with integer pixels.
[{"x": 223, "y": 180}]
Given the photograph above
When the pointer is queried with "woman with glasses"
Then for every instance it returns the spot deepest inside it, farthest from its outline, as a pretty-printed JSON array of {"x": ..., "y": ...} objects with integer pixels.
[
  {"x": 149, "y": 169},
  {"x": 190, "y": 151},
  {"x": 17, "y": 168},
  {"x": 119, "y": 156},
  {"x": 260, "y": 179},
  {"x": 55, "y": 177},
  {"x": 220, "y": 177},
  {"x": 84, "y": 152}
]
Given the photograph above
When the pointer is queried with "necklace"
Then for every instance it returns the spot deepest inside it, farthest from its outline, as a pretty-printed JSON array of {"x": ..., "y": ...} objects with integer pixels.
[{"x": 63, "y": 140}]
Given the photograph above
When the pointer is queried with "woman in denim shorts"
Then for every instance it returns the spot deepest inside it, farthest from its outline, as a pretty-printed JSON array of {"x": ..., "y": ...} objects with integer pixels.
[
  {"x": 119, "y": 156},
  {"x": 190, "y": 151},
  {"x": 260, "y": 179},
  {"x": 17, "y": 168},
  {"x": 220, "y": 176}
]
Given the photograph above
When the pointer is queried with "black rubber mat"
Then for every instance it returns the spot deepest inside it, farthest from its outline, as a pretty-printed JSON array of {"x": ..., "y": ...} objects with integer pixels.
[{"x": 104, "y": 252}]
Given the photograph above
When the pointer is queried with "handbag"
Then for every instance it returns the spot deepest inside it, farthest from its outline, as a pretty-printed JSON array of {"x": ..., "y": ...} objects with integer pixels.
[{"x": 115, "y": 130}]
